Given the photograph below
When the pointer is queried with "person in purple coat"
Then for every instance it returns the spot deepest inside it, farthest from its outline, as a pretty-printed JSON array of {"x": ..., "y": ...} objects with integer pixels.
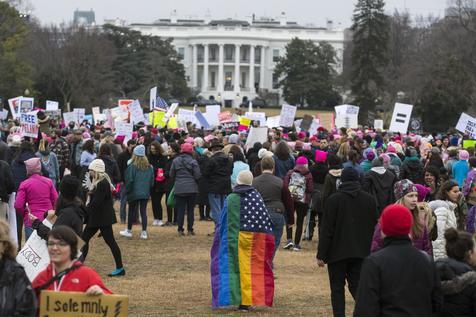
[{"x": 406, "y": 194}]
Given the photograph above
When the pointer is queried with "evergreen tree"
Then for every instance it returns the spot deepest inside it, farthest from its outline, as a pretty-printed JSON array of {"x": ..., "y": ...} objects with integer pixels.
[
  {"x": 370, "y": 38},
  {"x": 307, "y": 73}
]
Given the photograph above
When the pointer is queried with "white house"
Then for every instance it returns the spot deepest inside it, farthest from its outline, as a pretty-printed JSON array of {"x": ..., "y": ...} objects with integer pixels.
[{"x": 231, "y": 59}]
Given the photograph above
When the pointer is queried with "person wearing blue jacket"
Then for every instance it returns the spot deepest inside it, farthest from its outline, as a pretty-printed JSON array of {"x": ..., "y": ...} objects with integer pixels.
[
  {"x": 460, "y": 169},
  {"x": 139, "y": 180}
]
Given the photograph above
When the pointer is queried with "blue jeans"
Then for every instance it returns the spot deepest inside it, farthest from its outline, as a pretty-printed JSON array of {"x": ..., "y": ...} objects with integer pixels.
[
  {"x": 28, "y": 232},
  {"x": 122, "y": 210},
  {"x": 216, "y": 205},
  {"x": 278, "y": 223}
]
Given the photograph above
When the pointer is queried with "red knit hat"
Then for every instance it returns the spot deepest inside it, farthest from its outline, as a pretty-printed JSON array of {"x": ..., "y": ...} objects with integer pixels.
[
  {"x": 186, "y": 148},
  {"x": 396, "y": 220}
]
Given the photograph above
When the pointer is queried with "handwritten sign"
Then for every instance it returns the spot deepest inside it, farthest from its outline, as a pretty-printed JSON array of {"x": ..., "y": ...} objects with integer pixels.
[
  {"x": 29, "y": 124},
  {"x": 52, "y": 105},
  {"x": 467, "y": 125},
  {"x": 80, "y": 113},
  {"x": 125, "y": 129},
  {"x": 74, "y": 304},
  {"x": 137, "y": 114},
  {"x": 288, "y": 113},
  {"x": 69, "y": 117},
  {"x": 185, "y": 116},
  {"x": 273, "y": 122}
]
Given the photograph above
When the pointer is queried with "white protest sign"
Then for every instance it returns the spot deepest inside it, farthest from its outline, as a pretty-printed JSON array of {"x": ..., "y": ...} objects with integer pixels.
[
  {"x": 288, "y": 113},
  {"x": 137, "y": 114},
  {"x": 259, "y": 134},
  {"x": 34, "y": 255},
  {"x": 314, "y": 126},
  {"x": 257, "y": 116},
  {"x": 29, "y": 124},
  {"x": 52, "y": 105},
  {"x": 401, "y": 118},
  {"x": 185, "y": 116},
  {"x": 346, "y": 109},
  {"x": 69, "y": 117},
  {"x": 467, "y": 125},
  {"x": 170, "y": 112},
  {"x": 26, "y": 105},
  {"x": 14, "y": 104},
  {"x": 97, "y": 115},
  {"x": 202, "y": 120},
  {"x": 3, "y": 114},
  {"x": 378, "y": 124},
  {"x": 125, "y": 129},
  {"x": 273, "y": 122},
  {"x": 347, "y": 121},
  {"x": 80, "y": 113},
  {"x": 152, "y": 98},
  {"x": 212, "y": 113},
  {"x": 146, "y": 119}
]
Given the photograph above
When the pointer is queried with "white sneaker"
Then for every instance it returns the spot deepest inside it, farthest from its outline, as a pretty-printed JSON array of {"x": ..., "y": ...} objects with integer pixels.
[
  {"x": 126, "y": 233},
  {"x": 160, "y": 223},
  {"x": 143, "y": 235},
  {"x": 155, "y": 222}
]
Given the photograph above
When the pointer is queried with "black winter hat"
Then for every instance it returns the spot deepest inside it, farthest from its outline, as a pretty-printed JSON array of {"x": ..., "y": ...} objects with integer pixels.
[
  {"x": 69, "y": 187},
  {"x": 349, "y": 174}
]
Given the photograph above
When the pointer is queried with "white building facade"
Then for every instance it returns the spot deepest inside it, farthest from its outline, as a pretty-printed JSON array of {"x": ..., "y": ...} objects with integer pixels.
[{"x": 234, "y": 60}]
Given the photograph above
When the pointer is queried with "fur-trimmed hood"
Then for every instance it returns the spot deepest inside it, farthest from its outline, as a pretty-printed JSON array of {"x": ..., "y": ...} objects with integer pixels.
[{"x": 455, "y": 276}]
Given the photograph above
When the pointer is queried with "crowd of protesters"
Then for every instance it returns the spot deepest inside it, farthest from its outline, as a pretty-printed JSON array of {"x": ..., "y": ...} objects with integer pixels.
[{"x": 374, "y": 200}]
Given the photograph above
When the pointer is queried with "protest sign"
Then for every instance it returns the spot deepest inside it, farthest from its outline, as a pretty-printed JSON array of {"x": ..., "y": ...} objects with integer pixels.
[
  {"x": 26, "y": 105},
  {"x": 256, "y": 134},
  {"x": 347, "y": 121},
  {"x": 97, "y": 115},
  {"x": 109, "y": 119},
  {"x": 124, "y": 103},
  {"x": 3, "y": 114},
  {"x": 52, "y": 105},
  {"x": 14, "y": 103},
  {"x": 34, "y": 255},
  {"x": 378, "y": 124},
  {"x": 172, "y": 123},
  {"x": 401, "y": 118},
  {"x": 224, "y": 117},
  {"x": 288, "y": 113},
  {"x": 157, "y": 118},
  {"x": 326, "y": 120},
  {"x": 273, "y": 122},
  {"x": 347, "y": 109},
  {"x": 125, "y": 129},
  {"x": 137, "y": 114},
  {"x": 297, "y": 125},
  {"x": 29, "y": 124},
  {"x": 75, "y": 304},
  {"x": 54, "y": 114},
  {"x": 245, "y": 122},
  {"x": 89, "y": 118},
  {"x": 185, "y": 116},
  {"x": 314, "y": 126},
  {"x": 212, "y": 113},
  {"x": 69, "y": 117},
  {"x": 80, "y": 113},
  {"x": 152, "y": 98},
  {"x": 257, "y": 116},
  {"x": 202, "y": 120},
  {"x": 307, "y": 120},
  {"x": 469, "y": 143},
  {"x": 146, "y": 119},
  {"x": 467, "y": 125}
]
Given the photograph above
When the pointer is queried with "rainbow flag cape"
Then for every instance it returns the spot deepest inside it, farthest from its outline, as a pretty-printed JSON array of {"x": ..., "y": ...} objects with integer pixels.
[{"x": 242, "y": 252}]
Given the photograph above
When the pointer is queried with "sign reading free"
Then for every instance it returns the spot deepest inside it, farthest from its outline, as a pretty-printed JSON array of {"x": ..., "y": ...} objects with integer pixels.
[{"x": 73, "y": 304}]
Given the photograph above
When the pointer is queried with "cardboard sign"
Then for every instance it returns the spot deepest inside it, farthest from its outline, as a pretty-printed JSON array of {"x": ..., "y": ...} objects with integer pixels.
[
  {"x": 29, "y": 124},
  {"x": 257, "y": 116},
  {"x": 26, "y": 105},
  {"x": 34, "y": 255},
  {"x": 80, "y": 113},
  {"x": 401, "y": 118},
  {"x": 74, "y": 304},
  {"x": 326, "y": 120},
  {"x": 52, "y": 105},
  {"x": 466, "y": 124},
  {"x": 259, "y": 134},
  {"x": 69, "y": 117},
  {"x": 137, "y": 114},
  {"x": 14, "y": 104},
  {"x": 152, "y": 98},
  {"x": 273, "y": 122},
  {"x": 378, "y": 124},
  {"x": 288, "y": 113}
]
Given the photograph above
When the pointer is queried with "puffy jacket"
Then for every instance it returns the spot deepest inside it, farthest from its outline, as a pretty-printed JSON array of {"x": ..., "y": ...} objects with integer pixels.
[
  {"x": 460, "y": 171},
  {"x": 309, "y": 183},
  {"x": 282, "y": 167},
  {"x": 139, "y": 183},
  {"x": 379, "y": 183},
  {"x": 218, "y": 172},
  {"x": 445, "y": 219},
  {"x": 112, "y": 169},
  {"x": 412, "y": 169},
  {"x": 19, "y": 170},
  {"x": 458, "y": 285},
  {"x": 17, "y": 298},
  {"x": 186, "y": 173},
  {"x": 100, "y": 210},
  {"x": 40, "y": 194},
  {"x": 6, "y": 185}
]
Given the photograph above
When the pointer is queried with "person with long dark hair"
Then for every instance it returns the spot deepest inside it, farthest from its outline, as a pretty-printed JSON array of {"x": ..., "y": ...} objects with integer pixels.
[
  {"x": 283, "y": 159},
  {"x": 158, "y": 160}
]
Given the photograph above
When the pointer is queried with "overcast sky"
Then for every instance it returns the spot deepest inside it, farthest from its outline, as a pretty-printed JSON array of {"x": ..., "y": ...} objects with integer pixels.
[{"x": 146, "y": 11}]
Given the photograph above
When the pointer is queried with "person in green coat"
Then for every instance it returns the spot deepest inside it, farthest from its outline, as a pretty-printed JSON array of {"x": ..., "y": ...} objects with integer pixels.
[{"x": 139, "y": 180}]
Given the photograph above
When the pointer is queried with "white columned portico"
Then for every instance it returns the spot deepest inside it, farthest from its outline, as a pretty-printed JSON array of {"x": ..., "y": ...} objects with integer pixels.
[
  {"x": 237, "y": 68},
  {"x": 261, "y": 71},
  {"x": 205, "y": 68},
  {"x": 220, "y": 69},
  {"x": 194, "y": 66},
  {"x": 252, "y": 69}
]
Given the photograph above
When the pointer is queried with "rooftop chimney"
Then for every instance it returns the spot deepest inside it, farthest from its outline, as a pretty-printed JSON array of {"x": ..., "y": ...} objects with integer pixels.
[
  {"x": 282, "y": 19},
  {"x": 173, "y": 16}
]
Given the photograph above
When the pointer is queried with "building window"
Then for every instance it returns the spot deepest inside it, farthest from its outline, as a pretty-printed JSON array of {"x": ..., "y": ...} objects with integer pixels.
[
  {"x": 258, "y": 56},
  {"x": 229, "y": 53},
  {"x": 275, "y": 81},
  {"x": 243, "y": 79},
  {"x": 275, "y": 55},
  {"x": 244, "y": 54},
  {"x": 212, "y": 80},
  {"x": 200, "y": 51},
  {"x": 228, "y": 78},
  {"x": 181, "y": 52},
  {"x": 213, "y": 54}
]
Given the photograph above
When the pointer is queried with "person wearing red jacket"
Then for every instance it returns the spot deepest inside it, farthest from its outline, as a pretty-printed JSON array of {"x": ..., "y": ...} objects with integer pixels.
[
  {"x": 300, "y": 185},
  {"x": 64, "y": 273}
]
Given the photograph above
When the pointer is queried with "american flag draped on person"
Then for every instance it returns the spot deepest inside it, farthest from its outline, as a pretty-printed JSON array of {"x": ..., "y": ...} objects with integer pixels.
[{"x": 242, "y": 251}]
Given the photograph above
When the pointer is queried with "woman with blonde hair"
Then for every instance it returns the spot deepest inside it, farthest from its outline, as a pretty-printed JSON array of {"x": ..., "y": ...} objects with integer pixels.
[
  {"x": 18, "y": 297},
  {"x": 139, "y": 180},
  {"x": 100, "y": 213}
]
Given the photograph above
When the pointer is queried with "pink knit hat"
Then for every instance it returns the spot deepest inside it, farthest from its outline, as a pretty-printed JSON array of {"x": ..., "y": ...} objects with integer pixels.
[
  {"x": 321, "y": 156},
  {"x": 463, "y": 155},
  {"x": 391, "y": 149},
  {"x": 302, "y": 161},
  {"x": 33, "y": 166},
  {"x": 186, "y": 148}
]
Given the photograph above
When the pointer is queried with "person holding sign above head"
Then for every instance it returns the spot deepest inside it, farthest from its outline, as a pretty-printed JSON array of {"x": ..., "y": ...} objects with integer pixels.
[
  {"x": 64, "y": 273},
  {"x": 18, "y": 298}
]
